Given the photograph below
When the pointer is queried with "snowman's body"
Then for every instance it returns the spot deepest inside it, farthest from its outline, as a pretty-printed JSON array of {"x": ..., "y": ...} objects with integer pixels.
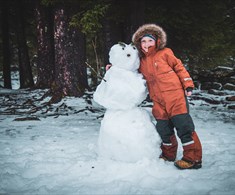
[{"x": 126, "y": 132}]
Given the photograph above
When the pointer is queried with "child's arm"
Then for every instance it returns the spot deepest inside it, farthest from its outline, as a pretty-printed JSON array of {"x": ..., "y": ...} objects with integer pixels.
[{"x": 181, "y": 71}]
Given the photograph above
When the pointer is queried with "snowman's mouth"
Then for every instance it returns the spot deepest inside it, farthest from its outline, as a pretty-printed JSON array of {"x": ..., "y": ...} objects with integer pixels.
[{"x": 128, "y": 55}]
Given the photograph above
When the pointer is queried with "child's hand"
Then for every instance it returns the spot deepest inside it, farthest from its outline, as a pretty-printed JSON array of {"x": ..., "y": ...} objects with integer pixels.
[
  {"x": 108, "y": 66},
  {"x": 189, "y": 91}
]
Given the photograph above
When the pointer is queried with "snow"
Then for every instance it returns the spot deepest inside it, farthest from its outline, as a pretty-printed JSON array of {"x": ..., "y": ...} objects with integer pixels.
[
  {"x": 58, "y": 154},
  {"x": 14, "y": 79},
  {"x": 112, "y": 95},
  {"x": 225, "y": 68},
  {"x": 127, "y": 132},
  {"x": 124, "y": 56},
  {"x": 122, "y": 87},
  {"x": 128, "y": 135}
]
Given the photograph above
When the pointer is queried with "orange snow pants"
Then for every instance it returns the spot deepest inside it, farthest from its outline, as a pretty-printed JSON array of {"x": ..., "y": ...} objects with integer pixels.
[{"x": 176, "y": 116}]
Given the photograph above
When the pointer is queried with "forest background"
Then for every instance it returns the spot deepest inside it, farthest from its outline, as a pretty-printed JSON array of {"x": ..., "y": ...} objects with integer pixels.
[{"x": 63, "y": 45}]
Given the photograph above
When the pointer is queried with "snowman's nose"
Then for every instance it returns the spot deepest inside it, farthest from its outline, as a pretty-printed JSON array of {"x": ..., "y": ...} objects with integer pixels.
[{"x": 128, "y": 55}]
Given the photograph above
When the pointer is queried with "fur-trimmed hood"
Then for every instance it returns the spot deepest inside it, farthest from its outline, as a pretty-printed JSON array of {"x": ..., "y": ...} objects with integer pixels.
[{"x": 150, "y": 29}]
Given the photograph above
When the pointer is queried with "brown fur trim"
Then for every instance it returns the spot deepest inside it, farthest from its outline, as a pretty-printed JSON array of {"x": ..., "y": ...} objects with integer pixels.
[{"x": 150, "y": 29}]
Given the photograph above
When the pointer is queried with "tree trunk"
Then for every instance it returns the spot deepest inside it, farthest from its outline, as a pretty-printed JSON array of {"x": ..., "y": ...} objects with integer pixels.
[
  {"x": 6, "y": 45},
  {"x": 69, "y": 46},
  {"x": 45, "y": 50},
  {"x": 26, "y": 77}
]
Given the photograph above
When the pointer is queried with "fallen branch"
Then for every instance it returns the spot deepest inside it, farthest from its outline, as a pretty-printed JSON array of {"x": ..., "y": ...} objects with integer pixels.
[
  {"x": 97, "y": 75},
  {"x": 27, "y": 119}
]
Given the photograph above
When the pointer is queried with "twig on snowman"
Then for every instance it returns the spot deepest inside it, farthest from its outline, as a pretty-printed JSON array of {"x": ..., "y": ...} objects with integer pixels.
[{"x": 97, "y": 74}]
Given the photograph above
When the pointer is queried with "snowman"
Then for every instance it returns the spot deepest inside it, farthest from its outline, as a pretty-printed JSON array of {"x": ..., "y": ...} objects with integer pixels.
[{"x": 127, "y": 132}]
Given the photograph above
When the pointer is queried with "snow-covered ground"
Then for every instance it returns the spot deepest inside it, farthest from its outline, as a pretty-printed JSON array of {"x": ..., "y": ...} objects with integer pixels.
[{"x": 57, "y": 154}]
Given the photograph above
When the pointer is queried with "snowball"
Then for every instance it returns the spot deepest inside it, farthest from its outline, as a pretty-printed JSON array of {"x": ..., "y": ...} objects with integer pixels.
[
  {"x": 124, "y": 56},
  {"x": 122, "y": 90},
  {"x": 128, "y": 136}
]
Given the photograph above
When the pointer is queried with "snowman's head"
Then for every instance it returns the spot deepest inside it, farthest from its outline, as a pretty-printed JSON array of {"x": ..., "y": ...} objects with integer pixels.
[{"x": 124, "y": 56}]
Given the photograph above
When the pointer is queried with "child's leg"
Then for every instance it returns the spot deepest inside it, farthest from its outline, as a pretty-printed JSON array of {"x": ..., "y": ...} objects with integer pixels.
[
  {"x": 184, "y": 126},
  {"x": 193, "y": 152},
  {"x": 169, "y": 144},
  {"x": 191, "y": 144}
]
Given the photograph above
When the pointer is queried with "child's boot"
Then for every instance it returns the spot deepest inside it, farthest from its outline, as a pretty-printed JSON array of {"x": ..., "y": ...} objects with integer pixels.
[{"x": 192, "y": 155}]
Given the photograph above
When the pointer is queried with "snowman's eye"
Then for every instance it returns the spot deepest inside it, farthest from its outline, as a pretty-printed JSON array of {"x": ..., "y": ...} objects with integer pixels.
[
  {"x": 123, "y": 48},
  {"x": 134, "y": 47}
]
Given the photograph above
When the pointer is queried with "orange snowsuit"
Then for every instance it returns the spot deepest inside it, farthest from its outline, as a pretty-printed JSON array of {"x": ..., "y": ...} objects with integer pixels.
[
  {"x": 166, "y": 76},
  {"x": 167, "y": 79}
]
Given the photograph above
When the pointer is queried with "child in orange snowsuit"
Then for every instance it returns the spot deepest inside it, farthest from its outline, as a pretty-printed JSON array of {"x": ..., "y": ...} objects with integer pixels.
[{"x": 168, "y": 83}]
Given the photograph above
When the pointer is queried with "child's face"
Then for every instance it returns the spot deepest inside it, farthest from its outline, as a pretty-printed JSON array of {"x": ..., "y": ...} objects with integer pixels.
[{"x": 146, "y": 43}]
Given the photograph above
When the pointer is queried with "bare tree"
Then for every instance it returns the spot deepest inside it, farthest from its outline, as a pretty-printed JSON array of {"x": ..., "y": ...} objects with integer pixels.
[
  {"x": 45, "y": 47},
  {"x": 26, "y": 77},
  {"x": 6, "y": 45},
  {"x": 70, "y": 77}
]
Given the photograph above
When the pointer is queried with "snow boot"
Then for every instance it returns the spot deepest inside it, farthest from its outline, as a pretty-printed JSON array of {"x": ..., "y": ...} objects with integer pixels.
[
  {"x": 192, "y": 154},
  {"x": 169, "y": 151},
  {"x": 183, "y": 164}
]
